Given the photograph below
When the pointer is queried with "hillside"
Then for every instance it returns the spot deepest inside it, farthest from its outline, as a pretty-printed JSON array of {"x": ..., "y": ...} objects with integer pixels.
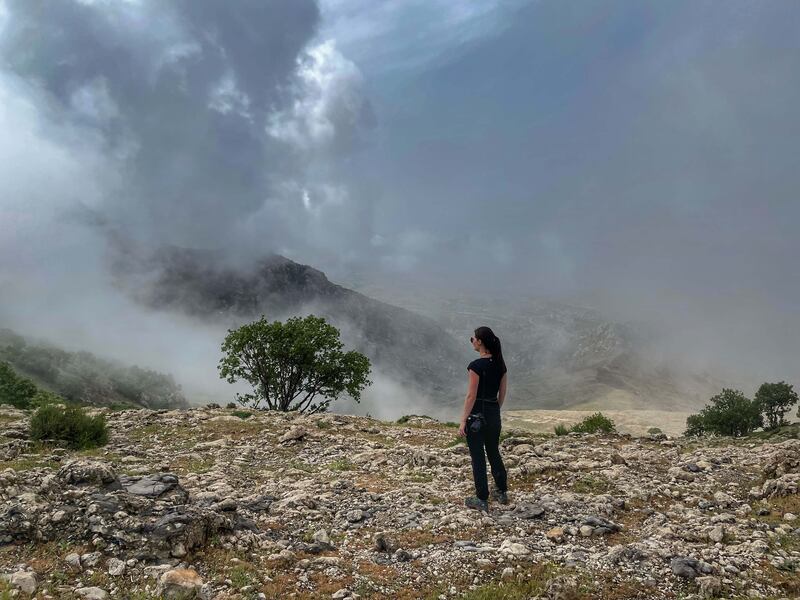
[
  {"x": 228, "y": 505},
  {"x": 85, "y": 378}
]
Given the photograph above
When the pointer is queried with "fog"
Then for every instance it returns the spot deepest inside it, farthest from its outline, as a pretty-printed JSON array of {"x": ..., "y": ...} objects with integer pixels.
[{"x": 634, "y": 157}]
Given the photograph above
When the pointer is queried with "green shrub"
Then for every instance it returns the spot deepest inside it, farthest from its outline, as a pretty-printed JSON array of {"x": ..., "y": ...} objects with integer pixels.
[
  {"x": 43, "y": 397},
  {"x": 695, "y": 425},
  {"x": 231, "y": 405},
  {"x": 561, "y": 429},
  {"x": 242, "y": 414},
  {"x": 597, "y": 422},
  {"x": 69, "y": 424},
  {"x": 15, "y": 390},
  {"x": 775, "y": 400},
  {"x": 729, "y": 413},
  {"x": 654, "y": 430}
]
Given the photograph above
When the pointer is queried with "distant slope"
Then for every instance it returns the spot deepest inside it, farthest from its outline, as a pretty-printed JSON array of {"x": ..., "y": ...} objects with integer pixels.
[
  {"x": 408, "y": 347},
  {"x": 563, "y": 356},
  {"x": 84, "y": 377}
]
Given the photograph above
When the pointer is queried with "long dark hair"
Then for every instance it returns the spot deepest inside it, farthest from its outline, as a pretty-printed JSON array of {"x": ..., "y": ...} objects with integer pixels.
[{"x": 492, "y": 343}]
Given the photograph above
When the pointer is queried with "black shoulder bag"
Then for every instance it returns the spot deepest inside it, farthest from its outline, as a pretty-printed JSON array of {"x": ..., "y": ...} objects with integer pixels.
[{"x": 476, "y": 420}]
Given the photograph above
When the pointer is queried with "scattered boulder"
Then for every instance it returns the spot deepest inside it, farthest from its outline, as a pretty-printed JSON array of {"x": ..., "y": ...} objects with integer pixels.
[
  {"x": 688, "y": 567},
  {"x": 92, "y": 593},
  {"x": 295, "y": 434},
  {"x": 24, "y": 581},
  {"x": 83, "y": 471},
  {"x": 180, "y": 584}
]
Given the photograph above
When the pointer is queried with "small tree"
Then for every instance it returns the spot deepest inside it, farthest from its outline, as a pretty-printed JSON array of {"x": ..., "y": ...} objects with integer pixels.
[
  {"x": 775, "y": 400},
  {"x": 290, "y": 364},
  {"x": 730, "y": 413}
]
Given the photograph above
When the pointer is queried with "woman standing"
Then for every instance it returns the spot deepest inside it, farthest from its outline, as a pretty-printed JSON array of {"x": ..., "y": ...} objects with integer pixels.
[{"x": 480, "y": 421}]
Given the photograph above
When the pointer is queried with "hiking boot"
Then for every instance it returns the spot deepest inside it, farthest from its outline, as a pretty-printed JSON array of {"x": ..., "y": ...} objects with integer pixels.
[
  {"x": 501, "y": 497},
  {"x": 476, "y": 503}
]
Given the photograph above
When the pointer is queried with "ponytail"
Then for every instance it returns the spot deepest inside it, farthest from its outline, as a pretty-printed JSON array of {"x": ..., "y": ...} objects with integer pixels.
[{"x": 492, "y": 343}]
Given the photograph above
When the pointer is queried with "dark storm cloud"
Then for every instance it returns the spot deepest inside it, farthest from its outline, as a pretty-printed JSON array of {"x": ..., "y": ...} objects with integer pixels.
[{"x": 181, "y": 94}]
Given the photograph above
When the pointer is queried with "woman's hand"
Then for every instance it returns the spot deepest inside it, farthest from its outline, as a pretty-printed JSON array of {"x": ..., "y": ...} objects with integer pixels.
[{"x": 462, "y": 430}]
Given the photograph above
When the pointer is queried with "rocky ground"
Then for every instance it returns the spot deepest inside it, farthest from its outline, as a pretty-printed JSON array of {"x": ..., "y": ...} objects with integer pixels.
[{"x": 222, "y": 504}]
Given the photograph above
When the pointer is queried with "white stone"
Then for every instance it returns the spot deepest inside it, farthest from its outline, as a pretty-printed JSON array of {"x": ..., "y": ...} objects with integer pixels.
[
  {"x": 115, "y": 567},
  {"x": 25, "y": 581},
  {"x": 92, "y": 593}
]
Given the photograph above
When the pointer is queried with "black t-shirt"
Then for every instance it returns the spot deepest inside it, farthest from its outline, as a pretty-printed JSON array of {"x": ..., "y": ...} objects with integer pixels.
[{"x": 489, "y": 374}]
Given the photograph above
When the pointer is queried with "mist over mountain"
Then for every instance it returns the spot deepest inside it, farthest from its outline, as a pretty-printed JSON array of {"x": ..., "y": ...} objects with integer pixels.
[
  {"x": 407, "y": 347},
  {"x": 560, "y": 356}
]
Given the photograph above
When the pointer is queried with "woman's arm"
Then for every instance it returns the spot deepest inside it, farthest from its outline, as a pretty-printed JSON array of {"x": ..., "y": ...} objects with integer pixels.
[
  {"x": 469, "y": 400},
  {"x": 501, "y": 394}
]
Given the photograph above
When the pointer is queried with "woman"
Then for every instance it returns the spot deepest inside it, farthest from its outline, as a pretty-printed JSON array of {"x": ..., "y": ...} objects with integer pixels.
[{"x": 485, "y": 395}]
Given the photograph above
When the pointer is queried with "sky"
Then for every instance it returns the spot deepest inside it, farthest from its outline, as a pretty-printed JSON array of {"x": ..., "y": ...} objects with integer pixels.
[{"x": 635, "y": 156}]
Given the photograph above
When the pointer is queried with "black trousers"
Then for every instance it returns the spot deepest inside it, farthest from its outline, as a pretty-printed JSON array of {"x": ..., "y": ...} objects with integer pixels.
[{"x": 483, "y": 444}]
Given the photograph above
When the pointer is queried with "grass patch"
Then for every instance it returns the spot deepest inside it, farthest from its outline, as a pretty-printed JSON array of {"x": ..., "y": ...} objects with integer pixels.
[
  {"x": 27, "y": 463},
  {"x": 455, "y": 441},
  {"x": 530, "y": 582},
  {"x": 420, "y": 477},
  {"x": 419, "y": 538},
  {"x": 777, "y": 505},
  {"x": 185, "y": 465},
  {"x": 342, "y": 464},
  {"x": 242, "y": 414},
  {"x": 300, "y": 465},
  {"x": 593, "y": 484}
]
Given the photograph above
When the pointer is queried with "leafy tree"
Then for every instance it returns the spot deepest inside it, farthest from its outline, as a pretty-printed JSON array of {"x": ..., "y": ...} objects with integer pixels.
[
  {"x": 15, "y": 390},
  {"x": 775, "y": 400},
  {"x": 729, "y": 413},
  {"x": 291, "y": 364}
]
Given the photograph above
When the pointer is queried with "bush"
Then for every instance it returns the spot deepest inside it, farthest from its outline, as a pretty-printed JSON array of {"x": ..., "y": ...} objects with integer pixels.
[
  {"x": 298, "y": 365},
  {"x": 43, "y": 397},
  {"x": 594, "y": 423},
  {"x": 654, "y": 431},
  {"x": 730, "y": 413},
  {"x": 69, "y": 424},
  {"x": 15, "y": 390},
  {"x": 775, "y": 400},
  {"x": 231, "y": 405},
  {"x": 695, "y": 426},
  {"x": 561, "y": 429}
]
